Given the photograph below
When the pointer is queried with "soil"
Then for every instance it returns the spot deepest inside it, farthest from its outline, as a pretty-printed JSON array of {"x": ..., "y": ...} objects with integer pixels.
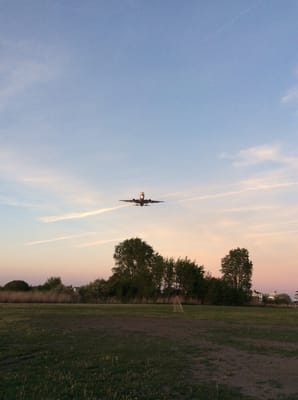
[{"x": 267, "y": 375}]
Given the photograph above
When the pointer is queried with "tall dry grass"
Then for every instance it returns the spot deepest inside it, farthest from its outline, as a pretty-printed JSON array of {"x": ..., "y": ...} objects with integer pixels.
[
  {"x": 37, "y": 296},
  {"x": 56, "y": 296}
]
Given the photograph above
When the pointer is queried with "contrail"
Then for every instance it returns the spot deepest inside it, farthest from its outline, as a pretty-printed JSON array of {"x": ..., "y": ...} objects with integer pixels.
[
  {"x": 236, "y": 192},
  {"x": 57, "y": 239},
  {"x": 231, "y": 21},
  {"x": 79, "y": 215}
]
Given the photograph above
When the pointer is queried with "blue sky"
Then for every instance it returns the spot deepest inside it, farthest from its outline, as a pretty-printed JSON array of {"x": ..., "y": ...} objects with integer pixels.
[{"x": 194, "y": 103}]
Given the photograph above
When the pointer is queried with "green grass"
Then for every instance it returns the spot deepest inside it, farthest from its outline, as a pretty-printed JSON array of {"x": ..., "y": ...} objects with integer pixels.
[{"x": 66, "y": 352}]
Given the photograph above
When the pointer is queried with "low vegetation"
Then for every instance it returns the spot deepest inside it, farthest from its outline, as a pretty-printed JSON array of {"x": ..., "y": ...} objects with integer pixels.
[
  {"x": 52, "y": 291},
  {"x": 147, "y": 352}
]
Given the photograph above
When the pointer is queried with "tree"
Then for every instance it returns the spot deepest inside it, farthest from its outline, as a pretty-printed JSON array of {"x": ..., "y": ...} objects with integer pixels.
[
  {"x": 52, "y": 283},
  {"x": 138, "y": 270},
  {"x": 169, "y": 277},
  {"x": 17, "y": 286},
  {"x": 157, "y": 274},
  {"x": 213, "y": 290},
  {"x": 282, "y": 298},
  {"x": 189, "y": 278},
  {"x": 236, "y": 268},
  {"x": 94, "y": 292},
  {"x": 122, "y": 287},
  {"x": 132, "y": 256},
  {"x": 218, "y": 291}
]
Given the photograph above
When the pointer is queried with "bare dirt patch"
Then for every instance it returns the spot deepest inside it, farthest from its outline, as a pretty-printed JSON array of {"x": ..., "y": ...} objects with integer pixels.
[{"x": 258, "y": 375}]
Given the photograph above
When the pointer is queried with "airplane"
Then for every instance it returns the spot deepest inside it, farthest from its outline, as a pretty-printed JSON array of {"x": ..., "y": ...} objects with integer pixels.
[{"x": 141, "y": 201}]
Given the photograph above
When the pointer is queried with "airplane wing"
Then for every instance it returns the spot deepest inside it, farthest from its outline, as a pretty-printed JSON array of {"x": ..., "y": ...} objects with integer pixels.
[
  {"x": 152, "y": 201},
  {"x": 131, "y": 201},
  {"x": 142, "y": 201}
]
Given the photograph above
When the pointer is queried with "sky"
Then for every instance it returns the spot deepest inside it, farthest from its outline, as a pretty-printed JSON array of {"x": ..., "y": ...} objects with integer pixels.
[{"x": 192, "y": 102}]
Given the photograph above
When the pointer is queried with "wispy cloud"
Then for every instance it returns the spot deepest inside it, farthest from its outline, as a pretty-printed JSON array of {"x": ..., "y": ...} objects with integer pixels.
[
  {"x": 22, "y": 76},
  {"x": 291, "y": 96},
  {"x": 23, "y": 170},
  {"x": 22, "y": 65},
  {"x": 100, "y": 242},
  {"x": 261, "y": 208},
  {"x": 266, "y": 184},
  {"x": 12, "y": 202},
  {"x": 265, "y": 155},
  {"x": 79, "y": 215},
  {"x": 272, "y": 233},
  {"x": 59, "y": 238},
  {"x": 256, "y": 155}
]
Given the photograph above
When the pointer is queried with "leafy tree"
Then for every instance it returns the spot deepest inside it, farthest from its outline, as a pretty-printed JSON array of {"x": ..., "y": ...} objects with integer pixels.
[
  {"x": 220, "y": 292},
  {"x": 169, "y": 277},
  {"x": 137, "y": 271},
  {"x": 140, "y": 272},
  {"x": 213, "y": 290},
  {"x": 52, "y": 283},
  {"x": 17, "y": 286},
  {"x": 122, "y": 287},
  {"x": 94, "y": 292},
  {"x": 236, "y": 268},
  {"x": 189, "y": 278},
  {"x": 157, "y": 273},
  {"x": 132, "y": 256},
  {"x": 282, "y": 298}
]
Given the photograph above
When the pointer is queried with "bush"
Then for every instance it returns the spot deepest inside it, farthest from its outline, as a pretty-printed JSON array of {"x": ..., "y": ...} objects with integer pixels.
[{"x": 17, "y": 286}]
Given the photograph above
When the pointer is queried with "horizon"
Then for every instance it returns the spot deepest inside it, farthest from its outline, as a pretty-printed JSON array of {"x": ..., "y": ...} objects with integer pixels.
[{"x": 194, "y": 104}]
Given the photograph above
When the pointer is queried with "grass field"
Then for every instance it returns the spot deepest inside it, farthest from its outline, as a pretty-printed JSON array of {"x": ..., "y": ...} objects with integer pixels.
[{"x": 134, "y": 352}]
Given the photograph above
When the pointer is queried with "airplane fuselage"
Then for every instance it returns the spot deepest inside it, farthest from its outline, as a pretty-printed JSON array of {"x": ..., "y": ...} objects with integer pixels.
[{"x": 142, "y": 198}]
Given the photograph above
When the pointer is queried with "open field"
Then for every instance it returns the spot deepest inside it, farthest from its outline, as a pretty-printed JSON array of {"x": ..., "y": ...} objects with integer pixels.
[{"x": 132, "y": 352}]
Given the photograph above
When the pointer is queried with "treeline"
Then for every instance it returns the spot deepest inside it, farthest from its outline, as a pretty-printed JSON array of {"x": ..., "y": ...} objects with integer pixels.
[{"x": 142, "y": 275}]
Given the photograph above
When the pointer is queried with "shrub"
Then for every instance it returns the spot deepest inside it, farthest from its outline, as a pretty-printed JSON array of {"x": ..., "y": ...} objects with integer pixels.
[{"x": 17, "y": 286}]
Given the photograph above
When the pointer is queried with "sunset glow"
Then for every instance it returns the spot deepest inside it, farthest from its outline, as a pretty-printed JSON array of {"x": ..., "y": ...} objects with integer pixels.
[{"x": 190, "y": 103}]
